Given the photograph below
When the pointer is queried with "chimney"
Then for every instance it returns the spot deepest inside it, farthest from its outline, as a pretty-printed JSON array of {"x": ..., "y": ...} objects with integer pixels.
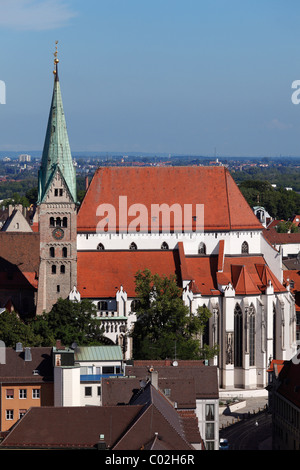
[
  {"x": 154, "y": 379},
  {"x": 28, "y": 356}
]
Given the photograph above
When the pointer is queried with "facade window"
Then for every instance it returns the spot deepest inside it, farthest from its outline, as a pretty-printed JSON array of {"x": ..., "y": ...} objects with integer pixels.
[
  {"x": 52, "y": 252},
  {"x": 9, "y": 415},
  {"x": 53, "y": 269},
  {"x": 99, "y": 391},
  {"x": 87, "y": 391},
  {"x": 238, "y": 336},
  {"x": 167, "y": 392},
  {"x": 58, "y": 222},
  {"x": 209, "y": 431},
  {"x": 245, "y": 247},
  {"x": 57, "y": 288},
  {"x": 21, "y": 413},
  {"x": 102, "y": 305},
  {"x": 36, "y": 393},
  {"x": 10, "y": 393},
  {"x": 65, "y": 252},
  {"x": 210, "y": 412},
  {"x": 65, "y": 222},
  {"x": 100, "y": 247},
  {"x": 56, "y": 192},
  {"x": 108, "y": 370},
  {"x": 202, "y": 249},
  {"x": 51, "y": 221},
  {"x": 132, "y": 246},
  {"x": 62, "y": 269},
  {"x": 252, "y": 336},
  {"x": 23, "y": 393},
  {"x": 164, "y": 246},
  {"x": 61, "y": 192}
]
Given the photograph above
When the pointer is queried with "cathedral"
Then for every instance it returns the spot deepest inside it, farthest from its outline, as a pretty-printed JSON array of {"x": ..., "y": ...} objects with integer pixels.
[{"x": 192, "y": 222}]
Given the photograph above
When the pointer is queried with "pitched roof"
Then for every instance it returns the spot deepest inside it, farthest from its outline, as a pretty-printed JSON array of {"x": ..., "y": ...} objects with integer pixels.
[
  {"x": 19, "y": 259},
  {"x": 128, "y": 427},
  {"x": 17, "y": 370},
  {"x": 225, "y": 208},
  {"x": 289, "y": 377},
  {"x": 276, "y": 238},
  {"x": 101, "y": 273}
]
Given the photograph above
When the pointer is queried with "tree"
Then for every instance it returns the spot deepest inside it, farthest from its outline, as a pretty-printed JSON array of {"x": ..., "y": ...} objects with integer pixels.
[
  {"x": 14, "y": 330},
  {"x": 70, "y": 322},
  {"x": 164, "y": 326}
]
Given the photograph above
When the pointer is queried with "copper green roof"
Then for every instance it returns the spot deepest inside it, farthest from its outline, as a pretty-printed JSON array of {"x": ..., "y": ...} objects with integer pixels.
[
  {"x": 98, "y": 353},
  {"x": 56, "y": 153}
]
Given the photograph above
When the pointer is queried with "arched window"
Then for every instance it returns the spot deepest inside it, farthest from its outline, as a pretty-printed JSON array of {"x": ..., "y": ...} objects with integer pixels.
[
  {"x": 51, "y": 222},
  {"x": 202, "y": 249},
  {"x": 100, "y": 247},
  {"x": 238, "y": 336},
  {"x": 65, "y": 252},
  {"x": 52, "y": 252},
  {"x": 251, "y": 335},
  {"x": 132, "y": 246},
  {"x": 102, "y": 305},
  {"x": 245, "y": 247},
  {"x": 65, "y": 222},
  {"x": 53, "y": 269},
  {"x": 58, "y": 222},
  {"x": 164, "y": 246},
  {"x": 62, "y": 269}
]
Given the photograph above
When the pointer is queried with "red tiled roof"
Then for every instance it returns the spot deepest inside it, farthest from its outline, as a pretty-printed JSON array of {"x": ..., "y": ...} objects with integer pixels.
[
  {"x": 224, "y": 206},
  {"x": 276, "y": 238},
  {"x": 102, "y": 273},
  {"x": 293, "y": 275}
]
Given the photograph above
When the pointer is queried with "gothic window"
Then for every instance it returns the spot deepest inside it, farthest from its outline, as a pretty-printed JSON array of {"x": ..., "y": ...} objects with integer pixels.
[
  {"x": 102, "y": 305},
  {"x": 245, "y": 247},
  {"x": 202, "y": 249},
  {"x": 51, "y": 221},
  {"x": 274, "y": 332},
  {"x": 100, "y": 247},
  {"x": 164, "y": 246},
  {"x": 62, "y": 269},
  {"x": 52, "y": 252},
  {"x": 65, "y": 222},
  {"x": 53, "y": 269},
  {"x": 65, "y": 252},
  {"x": 132, "y": 246},
  {"x": 252, "y": 336},
  {"x": 238, "y": 336}
]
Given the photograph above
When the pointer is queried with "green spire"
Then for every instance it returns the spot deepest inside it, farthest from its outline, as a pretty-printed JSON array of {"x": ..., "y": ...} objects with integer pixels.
[{"x": 57, "y": 152}]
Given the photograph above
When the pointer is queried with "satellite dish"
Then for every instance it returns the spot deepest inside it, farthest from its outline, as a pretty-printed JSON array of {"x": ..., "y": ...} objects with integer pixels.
[
  {"x": 175, "y": 363},
  {"x": 143, "y": 384},
  {"x": 74, "y": 346}
]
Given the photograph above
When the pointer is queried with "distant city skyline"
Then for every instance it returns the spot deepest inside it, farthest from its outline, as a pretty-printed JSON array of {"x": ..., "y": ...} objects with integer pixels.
[{"x": 167, "y": 77}]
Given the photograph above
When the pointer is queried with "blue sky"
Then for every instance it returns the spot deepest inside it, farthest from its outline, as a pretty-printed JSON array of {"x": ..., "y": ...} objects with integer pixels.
[{"x": 174, "y": 76}]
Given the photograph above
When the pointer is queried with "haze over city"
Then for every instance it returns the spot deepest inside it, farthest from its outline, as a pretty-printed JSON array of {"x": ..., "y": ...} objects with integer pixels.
[{"x": 192, "y": 77}]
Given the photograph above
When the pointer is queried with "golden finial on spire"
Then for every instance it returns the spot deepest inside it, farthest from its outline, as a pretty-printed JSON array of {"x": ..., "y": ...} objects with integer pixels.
[{"x": 56, "y": 61}]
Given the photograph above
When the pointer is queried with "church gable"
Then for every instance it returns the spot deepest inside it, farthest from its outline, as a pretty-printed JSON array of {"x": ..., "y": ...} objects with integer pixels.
[{"x": 58, "y": 191}]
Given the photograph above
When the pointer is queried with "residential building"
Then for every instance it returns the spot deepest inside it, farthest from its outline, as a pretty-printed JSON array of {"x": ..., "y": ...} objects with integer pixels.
[
  {"x": 191, "y": 387},
  {"x": 285, "y": 404},
  {"x": 78, "y": 371},
  {"x": 26, "y": 377},
  {"x": 149, "y": 422}
]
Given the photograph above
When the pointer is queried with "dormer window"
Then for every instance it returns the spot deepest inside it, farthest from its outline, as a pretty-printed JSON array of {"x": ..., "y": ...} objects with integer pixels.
[{"x": 132, "y": 246}]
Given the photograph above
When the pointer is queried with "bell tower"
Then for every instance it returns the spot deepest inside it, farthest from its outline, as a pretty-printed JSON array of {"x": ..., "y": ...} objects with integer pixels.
[{"x": 57, "y": 208}]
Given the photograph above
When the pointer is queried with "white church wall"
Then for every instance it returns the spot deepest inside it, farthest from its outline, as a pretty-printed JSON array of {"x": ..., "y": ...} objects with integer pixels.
[{"x": 191, "y": 241}]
